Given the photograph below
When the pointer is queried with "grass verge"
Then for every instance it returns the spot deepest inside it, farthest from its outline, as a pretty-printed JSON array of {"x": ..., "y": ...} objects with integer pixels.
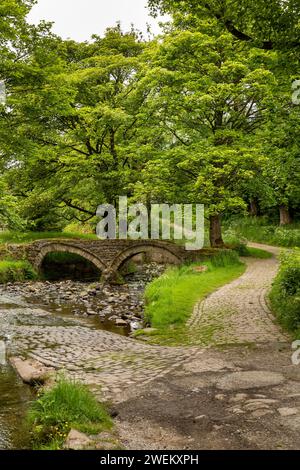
[
  {"x": 171, "y": 298},
  {"x": 68, "y": 405},
  {"x": 258, "y": 253}
]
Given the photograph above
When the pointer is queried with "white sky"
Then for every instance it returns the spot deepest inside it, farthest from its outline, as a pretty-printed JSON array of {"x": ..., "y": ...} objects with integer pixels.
[{"x": 79, "y": 19}]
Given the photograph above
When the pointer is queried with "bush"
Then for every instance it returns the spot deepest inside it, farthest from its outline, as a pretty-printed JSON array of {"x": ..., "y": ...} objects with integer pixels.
[
  {"x": 285, "y": 294},
  {"x": 67, "y": 405},
  {"x": 16, "y": 271},
  {"x": 235, "y": 243}
]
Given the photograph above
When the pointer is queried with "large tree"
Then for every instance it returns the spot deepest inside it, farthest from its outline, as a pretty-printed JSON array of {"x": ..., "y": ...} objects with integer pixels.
[
  {"x": 280, "y": 142},
  {"x": 15, "y": 46},
  {"x": 272, "y": 24},
  {"x": 77, "y": 125},
  {"x": 210, "y": 95}
]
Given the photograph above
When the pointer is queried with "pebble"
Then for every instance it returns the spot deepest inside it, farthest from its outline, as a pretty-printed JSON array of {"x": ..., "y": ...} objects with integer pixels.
[
  {"x": 200, "y": 418},
  {"x": 261, "y": 413},
  {"x": 288, "y": 411},
  {"x": 238, "y": 397}
]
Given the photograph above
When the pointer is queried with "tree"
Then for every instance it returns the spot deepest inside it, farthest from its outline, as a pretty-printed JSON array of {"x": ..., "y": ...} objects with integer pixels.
[
  {"x": 77, "y": 126},
  {"x": 268, "y": 25},
  {"x": 15, "y": 39},
  {"x": 280, "y": 142},
  {"x": 210, "y": 95}
]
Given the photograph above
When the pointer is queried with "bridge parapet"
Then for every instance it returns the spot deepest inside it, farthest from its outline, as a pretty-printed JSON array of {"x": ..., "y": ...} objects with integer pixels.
[{"x": 109, "y": 255}]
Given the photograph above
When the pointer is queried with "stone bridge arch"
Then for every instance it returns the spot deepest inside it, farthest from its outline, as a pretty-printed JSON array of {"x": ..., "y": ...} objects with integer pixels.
[
  {"x": 138, "y": 249},
  {"x": 67, "y": 248}
]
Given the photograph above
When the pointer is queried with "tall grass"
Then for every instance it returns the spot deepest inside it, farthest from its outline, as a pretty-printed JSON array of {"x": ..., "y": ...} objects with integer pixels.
[
  {"x": 16, "y": 271},
  {"x": 68, "y": 405}
]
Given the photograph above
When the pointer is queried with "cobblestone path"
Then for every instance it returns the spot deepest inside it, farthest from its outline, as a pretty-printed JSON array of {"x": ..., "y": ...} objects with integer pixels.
[
  {"x": 241, "y": 307},
  {"x": 107, "y": 362},
  {"x": 110, "y": 363}
]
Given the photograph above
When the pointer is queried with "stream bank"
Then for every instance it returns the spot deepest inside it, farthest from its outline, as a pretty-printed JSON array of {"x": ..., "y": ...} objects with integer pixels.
[{"x": 27, "y": 308}]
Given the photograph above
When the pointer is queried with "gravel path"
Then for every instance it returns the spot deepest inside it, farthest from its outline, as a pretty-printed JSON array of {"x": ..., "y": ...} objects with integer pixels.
[{"x": 241, "y": 307}]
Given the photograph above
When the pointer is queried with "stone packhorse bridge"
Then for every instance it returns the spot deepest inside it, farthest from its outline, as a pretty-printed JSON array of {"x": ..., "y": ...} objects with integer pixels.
[{"x": 107, "y": 255}]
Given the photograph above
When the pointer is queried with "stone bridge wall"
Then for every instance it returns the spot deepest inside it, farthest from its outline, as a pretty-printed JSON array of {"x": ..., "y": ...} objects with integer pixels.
[{"x": 107, "y": 255}]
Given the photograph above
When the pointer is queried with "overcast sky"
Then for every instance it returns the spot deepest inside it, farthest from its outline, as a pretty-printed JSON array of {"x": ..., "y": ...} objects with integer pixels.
[{"x": 79, "y": 19}]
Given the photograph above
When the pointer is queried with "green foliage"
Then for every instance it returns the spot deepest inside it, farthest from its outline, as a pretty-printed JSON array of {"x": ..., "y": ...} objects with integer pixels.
[
  {"x": 210, "y": 151},
  {"x": 259, "y": 230},
  {"x": 202, "y": 114},
  {"x": 9, "y": 212},
  {"x": 167, "y": 302},
  {"x": 285, "y": 294},
  {"x": 239, "y": 245},
  {"x": 258, "y": 253},
  {"x": 225, "y": 258},
  {"x": 16, "y": 271},
  {"x": 67, "y": 405},
  {"x": 266, "y": 25},
  {"x": 80, "y": 131}
]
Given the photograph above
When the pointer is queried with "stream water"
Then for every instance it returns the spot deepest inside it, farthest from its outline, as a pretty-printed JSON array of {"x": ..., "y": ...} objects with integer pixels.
[
  {"x": 14, "y": 400},
  {"x": 56, "y": 304}
]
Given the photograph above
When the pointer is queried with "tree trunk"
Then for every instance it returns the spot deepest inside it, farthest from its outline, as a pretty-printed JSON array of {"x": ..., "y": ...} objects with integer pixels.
[
  {"x": 215, "y": 232},
  {"x": 253, "y": 209},
  {"x": 285, "y": 216}
]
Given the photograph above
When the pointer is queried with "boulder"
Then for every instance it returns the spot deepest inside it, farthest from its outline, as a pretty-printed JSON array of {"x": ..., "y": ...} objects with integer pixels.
[
  {"x": 250, "y": 379},
  {"x": 30, "y": 371},
  {"x": 288, "y": 411},
  {"x": 76, "y": 440}
]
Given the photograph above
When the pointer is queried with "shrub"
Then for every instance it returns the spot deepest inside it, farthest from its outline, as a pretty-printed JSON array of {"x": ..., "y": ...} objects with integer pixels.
[
  {"x": 16, "y": 271},
  {"x": 225, "y": 258},
  {"x": 285, "y": 294}
]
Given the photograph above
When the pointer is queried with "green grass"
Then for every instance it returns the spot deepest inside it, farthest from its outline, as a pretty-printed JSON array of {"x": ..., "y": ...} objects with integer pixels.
[
  {"x": 27, "y": 237},
  {"x": 171, "y": 298},
  {"x": 16, "y": 271},
  {"x": 285, "y": 293},
  {"x": 68, "y": 405},
  {"x": 259, "y": 230},
  {"x": 258, "y": 253}
]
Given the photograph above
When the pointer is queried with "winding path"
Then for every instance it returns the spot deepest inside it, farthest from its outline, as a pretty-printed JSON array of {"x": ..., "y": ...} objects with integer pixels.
[
  {"x": 241, "y": 306},
  {"x": 110, "y": 364}
]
